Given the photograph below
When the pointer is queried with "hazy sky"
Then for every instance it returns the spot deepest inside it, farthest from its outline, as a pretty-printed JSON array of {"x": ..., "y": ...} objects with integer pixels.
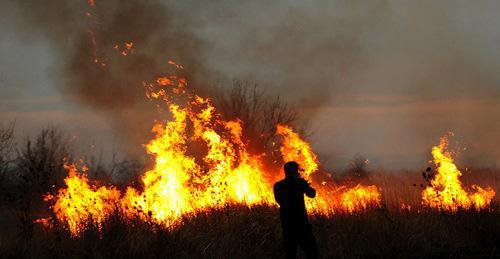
[{"x": 381, "y": 78}]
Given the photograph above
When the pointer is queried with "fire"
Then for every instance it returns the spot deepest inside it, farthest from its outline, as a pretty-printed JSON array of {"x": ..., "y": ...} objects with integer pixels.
[
  {"x": 200, "y": 162},
  {"x": 296, "y": 149},
  {"x": 360, "y": 198},
  {"x": 180, "y": 183},
  {"x": 446, "y": 191},
  {"x": 330, "y": 197},
  {"x": 81, "y": 203}
]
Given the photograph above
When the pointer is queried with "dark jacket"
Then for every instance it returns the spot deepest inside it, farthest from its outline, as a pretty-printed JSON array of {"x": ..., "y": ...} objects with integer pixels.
[{"x": 289, "y": 194}]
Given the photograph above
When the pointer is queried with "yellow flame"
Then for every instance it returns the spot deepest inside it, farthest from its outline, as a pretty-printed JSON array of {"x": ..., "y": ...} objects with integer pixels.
[
  {"x": 360, "y": 198},
  {"x": 446, "y": 191},
  {"x": 296, "y": 149},
  {"x": 180, "y": 185},
  {"x": 330, "y": 198},
  {"x": 81, "y": 203}
]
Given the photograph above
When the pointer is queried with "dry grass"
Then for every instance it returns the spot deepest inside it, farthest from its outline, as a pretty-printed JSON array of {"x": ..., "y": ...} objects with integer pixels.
[{"x": 239, "y": 232}]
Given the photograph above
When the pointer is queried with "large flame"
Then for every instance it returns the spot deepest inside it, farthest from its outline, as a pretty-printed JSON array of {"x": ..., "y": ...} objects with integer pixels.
[
  {"x": 179, "y": 184},
  {"x": 446, "y": 191}
]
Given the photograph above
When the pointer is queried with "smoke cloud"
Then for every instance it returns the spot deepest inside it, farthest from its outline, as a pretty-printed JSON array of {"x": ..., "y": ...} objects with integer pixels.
[
  {"x": 382, "y": 78},
  {"x": 95, "y": 66}
]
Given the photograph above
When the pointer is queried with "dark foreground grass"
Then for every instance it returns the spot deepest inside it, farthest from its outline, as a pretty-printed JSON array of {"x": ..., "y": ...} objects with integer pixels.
[{"x": 239, "y": 232}]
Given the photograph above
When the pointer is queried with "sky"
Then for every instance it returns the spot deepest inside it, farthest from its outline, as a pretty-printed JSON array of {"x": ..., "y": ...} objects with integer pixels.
[{"x": 384, "y": 79}]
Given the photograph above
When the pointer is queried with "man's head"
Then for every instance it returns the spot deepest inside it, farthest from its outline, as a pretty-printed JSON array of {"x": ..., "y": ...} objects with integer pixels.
[{"x": 291, "y": 169}]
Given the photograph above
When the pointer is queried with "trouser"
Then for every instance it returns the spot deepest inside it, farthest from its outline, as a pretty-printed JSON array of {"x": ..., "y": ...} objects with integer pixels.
[{"x": 302, "y": 237}]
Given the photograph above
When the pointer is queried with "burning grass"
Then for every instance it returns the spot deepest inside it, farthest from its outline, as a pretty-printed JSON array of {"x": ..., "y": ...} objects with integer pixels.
[
  {"x": 201, "y": 162},
  {"x": 446, "y": 191}
]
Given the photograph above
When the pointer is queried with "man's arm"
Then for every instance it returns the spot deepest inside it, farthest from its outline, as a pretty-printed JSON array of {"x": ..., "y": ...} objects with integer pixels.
[
  {"x": 307, "y": 189},
  {"x": 277, "y": 194}
]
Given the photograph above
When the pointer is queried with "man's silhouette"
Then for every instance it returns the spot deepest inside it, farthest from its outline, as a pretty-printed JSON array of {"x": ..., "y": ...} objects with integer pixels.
[{"x": 297, "y": 231}]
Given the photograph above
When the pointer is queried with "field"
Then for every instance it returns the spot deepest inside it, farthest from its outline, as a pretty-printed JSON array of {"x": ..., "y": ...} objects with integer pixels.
[
  {"x": 241, "y": 232},
  {"x": 158, "y": 129}
]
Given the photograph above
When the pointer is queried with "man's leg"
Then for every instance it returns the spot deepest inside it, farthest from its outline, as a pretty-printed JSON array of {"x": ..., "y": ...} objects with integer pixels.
[
  {"x": 307, "y": 243},
  {"x": 290, "y": 243}
]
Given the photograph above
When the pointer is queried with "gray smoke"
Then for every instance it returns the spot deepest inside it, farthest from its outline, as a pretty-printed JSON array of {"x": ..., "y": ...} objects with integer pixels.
[
  {"x": 382, "y": 78},
  {"x": 92, "y": 71}
]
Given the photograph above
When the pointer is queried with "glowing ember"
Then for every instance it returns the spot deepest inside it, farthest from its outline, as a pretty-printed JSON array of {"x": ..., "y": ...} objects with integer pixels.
[
  {"x": 125, "y": 49},
  {"x": 446, "y": 191},
  {"x": 45, "y": 222}
]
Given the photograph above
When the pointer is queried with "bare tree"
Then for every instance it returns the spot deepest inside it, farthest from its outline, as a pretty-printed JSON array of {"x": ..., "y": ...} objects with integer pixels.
[
  {"x": 126, "y": 171},
  {"x": 358, "y": 168},
  {"x": 40, "y": 167},
  {"x": 6, "y": 148},
  {"x": 6, "y": 161},
  {"x": 41, "y": 161},
  {"x": 259, "y": 112}
]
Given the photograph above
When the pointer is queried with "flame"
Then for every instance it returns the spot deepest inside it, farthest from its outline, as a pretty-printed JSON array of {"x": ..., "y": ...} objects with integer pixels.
[
  {"x": 446, "y": 191},
  {"x": 360, "y": 198},
  {"x": 330, "y": 197},
  {"x": 179, "y": 184},
  {"x": 296, "y": 149},
  {"x": 81, "y": 203}
]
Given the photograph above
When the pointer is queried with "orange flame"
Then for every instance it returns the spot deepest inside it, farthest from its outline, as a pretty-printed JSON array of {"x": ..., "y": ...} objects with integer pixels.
[{"x": 446, "y": 191}]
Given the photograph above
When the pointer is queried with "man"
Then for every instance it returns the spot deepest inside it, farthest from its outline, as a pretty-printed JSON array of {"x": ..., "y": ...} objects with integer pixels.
[{"x": 289, "y": 194}]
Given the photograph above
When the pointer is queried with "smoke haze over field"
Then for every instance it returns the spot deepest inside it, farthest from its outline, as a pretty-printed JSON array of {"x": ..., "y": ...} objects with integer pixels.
[
  {"x": 88, "y": 40},
  {"x": 382, "y": 78}
]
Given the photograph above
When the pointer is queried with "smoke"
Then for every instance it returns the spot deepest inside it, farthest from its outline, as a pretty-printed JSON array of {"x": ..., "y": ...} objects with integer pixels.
[
  {"x": 299, "y": 50},
  {"x": 94, "y": 65},
  {"x": 382, "y": 78}
]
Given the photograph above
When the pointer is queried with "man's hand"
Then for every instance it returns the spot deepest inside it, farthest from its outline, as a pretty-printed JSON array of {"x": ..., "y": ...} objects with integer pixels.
[{"x": 306, "y": 188}]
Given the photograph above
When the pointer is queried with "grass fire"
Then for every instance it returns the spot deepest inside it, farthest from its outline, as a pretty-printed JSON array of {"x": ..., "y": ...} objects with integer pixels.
[
  {"x": 179, "y": 130},
  {"x": 180, "y": 184}
]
